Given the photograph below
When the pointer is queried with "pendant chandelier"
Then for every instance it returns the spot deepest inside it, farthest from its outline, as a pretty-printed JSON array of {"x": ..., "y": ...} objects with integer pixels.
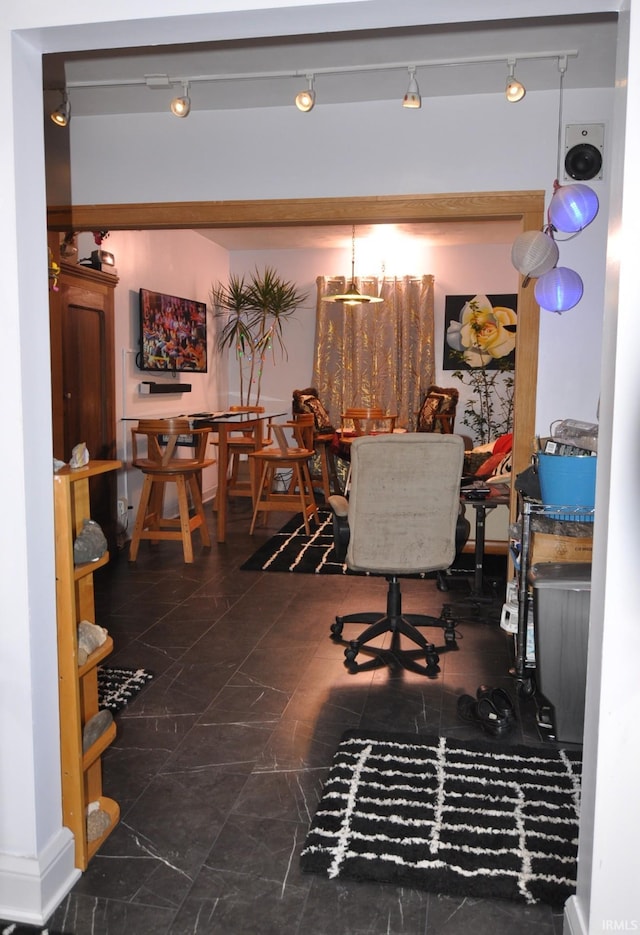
[{"x": 352, "y": 296}]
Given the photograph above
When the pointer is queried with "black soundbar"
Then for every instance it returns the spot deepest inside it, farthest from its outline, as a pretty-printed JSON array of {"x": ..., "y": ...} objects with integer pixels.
[{"x": 147, "y": 387}]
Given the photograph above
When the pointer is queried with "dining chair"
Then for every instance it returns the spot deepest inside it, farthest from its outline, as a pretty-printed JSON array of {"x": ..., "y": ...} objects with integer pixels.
[
  {"x": 297, "y": 495},
  {"x": 357, "y": 421},
  {"x": 160, "y": 466},
  {"x": 363, "y": 420}
]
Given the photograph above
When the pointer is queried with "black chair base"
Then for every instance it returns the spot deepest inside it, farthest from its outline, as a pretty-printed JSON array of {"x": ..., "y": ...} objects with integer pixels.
[{"x": 398, "y": 624}]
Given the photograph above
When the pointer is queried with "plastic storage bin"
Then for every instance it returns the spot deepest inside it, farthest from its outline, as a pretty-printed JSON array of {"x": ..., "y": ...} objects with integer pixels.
[
  {"x": 561, "y": 599},
  {"x": 568, "y": 481}
]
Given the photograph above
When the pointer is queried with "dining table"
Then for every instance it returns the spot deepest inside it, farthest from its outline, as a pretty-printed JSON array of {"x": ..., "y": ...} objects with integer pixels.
[{"x": 224, "y": 424}]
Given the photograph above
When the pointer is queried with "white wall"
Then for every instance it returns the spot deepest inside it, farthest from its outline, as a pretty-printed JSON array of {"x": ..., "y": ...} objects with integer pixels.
[
  {"x": 180, "y": 263},
  {"x": 458, "y": 270},
  {"x": 479, "y": 143}
]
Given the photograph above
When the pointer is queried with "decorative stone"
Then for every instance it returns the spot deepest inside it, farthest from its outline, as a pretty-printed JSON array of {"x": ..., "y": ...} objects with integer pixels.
[{"x": 95, "y": 728}]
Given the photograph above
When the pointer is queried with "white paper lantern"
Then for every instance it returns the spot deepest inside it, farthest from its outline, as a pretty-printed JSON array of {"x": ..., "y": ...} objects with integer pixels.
[
  {"x": 559, "y": 289},
  {"x": 573, "y": 207},
  {"x": 534, "y": 253}
]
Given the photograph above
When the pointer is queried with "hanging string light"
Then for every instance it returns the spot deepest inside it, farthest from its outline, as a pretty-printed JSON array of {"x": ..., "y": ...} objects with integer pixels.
[
  {"x": 572, "y": 207},
  {"x": 535, "y": 254},
  {"x": 352, "y": 296}
]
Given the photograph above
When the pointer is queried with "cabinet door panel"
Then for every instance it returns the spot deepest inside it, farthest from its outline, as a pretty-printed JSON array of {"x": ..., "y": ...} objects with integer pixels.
[{"x": 83, "y": 379}]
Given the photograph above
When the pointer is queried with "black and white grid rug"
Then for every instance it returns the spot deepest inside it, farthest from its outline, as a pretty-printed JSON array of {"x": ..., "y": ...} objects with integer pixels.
[
  {"x": 451, "y": 817},
  {"x": 118, "y": 686},
  {"x": 292, "y": 550}
]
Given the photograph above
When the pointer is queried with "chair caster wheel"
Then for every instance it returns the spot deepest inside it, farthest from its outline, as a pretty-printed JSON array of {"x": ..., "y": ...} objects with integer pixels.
[
  {"x": 432, "y": 660},
  {"x": 350, "y": 654},
  {"x": 336, "y": 628}
]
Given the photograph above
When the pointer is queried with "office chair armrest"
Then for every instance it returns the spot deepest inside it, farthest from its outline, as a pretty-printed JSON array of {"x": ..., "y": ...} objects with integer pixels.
[
  {"x": 339, "y": 505},
  {"x": 339, "y": 508}
]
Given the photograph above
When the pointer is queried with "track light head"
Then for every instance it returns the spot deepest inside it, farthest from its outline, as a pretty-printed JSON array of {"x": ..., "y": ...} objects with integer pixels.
[
  {"x": 306, "y": 99},
  {"x": 412, "y": 98},
  {"x": 181, "y": 106},
  {"x": 514, "y": 90},
  {"x": 62, "y": 114}
]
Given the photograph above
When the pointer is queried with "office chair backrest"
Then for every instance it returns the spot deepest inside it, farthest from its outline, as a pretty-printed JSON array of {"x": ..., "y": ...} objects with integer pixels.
[{"x": 404, "y": 502}]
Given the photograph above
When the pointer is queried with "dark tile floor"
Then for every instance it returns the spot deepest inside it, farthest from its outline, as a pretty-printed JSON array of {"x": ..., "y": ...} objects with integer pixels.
[{"x": 220, "y": 761}]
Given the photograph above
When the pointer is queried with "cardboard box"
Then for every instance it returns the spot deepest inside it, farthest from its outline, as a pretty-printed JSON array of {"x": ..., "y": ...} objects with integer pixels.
[{"x": 545, "y": 547}]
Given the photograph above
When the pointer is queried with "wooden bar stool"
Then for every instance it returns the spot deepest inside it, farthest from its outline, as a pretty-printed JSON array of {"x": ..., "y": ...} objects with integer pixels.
[
  {"x": 299, "y": 493},
  {"x": 161, "y": 467},
  {"x": 240, "y": 443}
]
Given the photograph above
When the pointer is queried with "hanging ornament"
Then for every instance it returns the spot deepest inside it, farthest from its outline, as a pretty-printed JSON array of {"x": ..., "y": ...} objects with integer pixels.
[
  {"x": 559, "y": 289},
  {"x": 572, "y": 207},
  {"x": 534, "y": 253}
]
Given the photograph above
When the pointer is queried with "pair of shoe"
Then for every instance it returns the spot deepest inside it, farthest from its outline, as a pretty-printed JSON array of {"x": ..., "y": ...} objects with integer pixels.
[{"x": 492, "y": 709}]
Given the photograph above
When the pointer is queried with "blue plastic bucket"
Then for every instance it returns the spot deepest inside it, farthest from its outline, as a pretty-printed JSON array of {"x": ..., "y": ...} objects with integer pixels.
[{"x": 570, "y": 481}]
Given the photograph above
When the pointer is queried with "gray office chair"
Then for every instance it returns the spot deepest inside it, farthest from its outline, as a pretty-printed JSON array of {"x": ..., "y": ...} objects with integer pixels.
[{"x": 400, "y": 519}]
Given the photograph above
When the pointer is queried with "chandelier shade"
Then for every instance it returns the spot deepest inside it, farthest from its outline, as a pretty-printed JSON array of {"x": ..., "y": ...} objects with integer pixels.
[
  {"x": 534, "y": 253},
  {"x": 572, "y": 208},
  {"x": 352, "y": 296},
  {"x": 559, "y": 289}
]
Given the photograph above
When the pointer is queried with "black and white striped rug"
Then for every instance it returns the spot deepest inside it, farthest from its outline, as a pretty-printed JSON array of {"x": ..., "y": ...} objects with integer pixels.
[{"x": 455, "y": 818}]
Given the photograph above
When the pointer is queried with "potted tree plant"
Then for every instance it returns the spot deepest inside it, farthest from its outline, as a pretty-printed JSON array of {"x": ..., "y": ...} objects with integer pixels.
[{"x": 253, "y": 314}]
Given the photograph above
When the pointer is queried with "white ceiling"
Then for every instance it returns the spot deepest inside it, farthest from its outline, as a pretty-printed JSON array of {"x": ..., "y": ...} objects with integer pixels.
[{"x": 325, "y": 237}]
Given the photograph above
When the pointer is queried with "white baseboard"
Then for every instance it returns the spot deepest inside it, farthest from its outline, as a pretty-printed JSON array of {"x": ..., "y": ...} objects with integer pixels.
[
  {"x": 31, "y": 888},
  {"x": 573, "y": 921}
]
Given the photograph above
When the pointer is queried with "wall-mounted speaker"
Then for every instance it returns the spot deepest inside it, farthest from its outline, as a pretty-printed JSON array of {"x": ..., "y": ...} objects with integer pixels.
[{"x": 583, "y": 151}]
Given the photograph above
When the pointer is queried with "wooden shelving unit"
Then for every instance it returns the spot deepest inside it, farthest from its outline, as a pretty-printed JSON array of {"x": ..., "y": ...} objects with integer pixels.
[{"x": 78, "y": 685}]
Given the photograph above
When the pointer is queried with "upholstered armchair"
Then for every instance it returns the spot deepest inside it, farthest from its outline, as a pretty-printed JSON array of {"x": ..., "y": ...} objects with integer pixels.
[
  {"x": 400, "y": 519},
  {"x": 437, "y": 411},
  {"x": 323, "y": 467}
]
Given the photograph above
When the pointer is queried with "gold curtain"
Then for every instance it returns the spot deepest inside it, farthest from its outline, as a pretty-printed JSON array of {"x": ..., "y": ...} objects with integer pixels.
[{"x": 378, "y": 354}]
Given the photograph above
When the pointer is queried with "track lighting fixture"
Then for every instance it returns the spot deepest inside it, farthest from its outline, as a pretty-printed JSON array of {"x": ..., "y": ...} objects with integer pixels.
[
  {"x": 62, "y": 114},
  {"x": 307, "y": 98},
  {"x": 412, "y": 97},
  {"x": 352, "y": 296},
  {"x": 515, "y": 90},
  {"x": 180, "y": 106}
]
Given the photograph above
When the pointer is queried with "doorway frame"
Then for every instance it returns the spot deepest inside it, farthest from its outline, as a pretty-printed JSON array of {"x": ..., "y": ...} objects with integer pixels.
[{"x": 527, "y": 207}]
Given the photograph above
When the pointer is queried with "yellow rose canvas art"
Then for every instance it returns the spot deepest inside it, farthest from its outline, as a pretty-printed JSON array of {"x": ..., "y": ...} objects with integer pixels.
[{"x": 480, "y": 331}]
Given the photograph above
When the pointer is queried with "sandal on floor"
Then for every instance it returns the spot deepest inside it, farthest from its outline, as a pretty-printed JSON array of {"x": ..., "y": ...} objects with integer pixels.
[
  {"x": 501, "y": 701},
  {"x": 484, "y": 713}
]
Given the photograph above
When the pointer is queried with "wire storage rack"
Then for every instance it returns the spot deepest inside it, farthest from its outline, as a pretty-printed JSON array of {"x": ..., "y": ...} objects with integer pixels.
[{"x": 528, "y": 510}]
